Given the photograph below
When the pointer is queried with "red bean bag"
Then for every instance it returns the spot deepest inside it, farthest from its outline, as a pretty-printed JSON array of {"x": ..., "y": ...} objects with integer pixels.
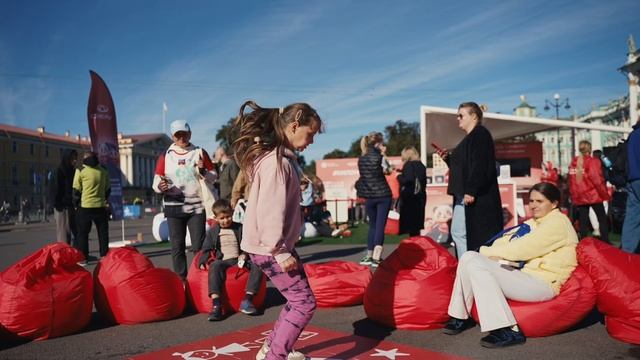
[
  {"x": 338, "y": 283},
  {"x": 412, "y": 287},
  {"x": 45, "y": 295},
  {"x": 234, "y": 289},
  {"x": 129, "y": 289},
  {"x": 576, "y": 299},
  {"x": 617, "y": 283}
]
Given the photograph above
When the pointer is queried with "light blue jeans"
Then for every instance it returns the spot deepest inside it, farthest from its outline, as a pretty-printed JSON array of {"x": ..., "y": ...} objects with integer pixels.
[
  {"x": 459, "y": 228},
  {"x": 631, "y": 226}
]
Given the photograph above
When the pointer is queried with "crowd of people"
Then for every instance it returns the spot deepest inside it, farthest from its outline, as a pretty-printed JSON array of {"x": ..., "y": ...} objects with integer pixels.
[{"x": 261, "y": 194}]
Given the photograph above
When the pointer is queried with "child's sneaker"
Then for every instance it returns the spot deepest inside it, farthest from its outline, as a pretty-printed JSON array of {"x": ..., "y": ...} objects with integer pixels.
[
  {"x": 293, "y": 355},
  {"x": 215, "y": 314},
  {"x": 366, "y": 260},
  {"x": 246, "y": 307},
  {"x": 375, "y": 263}
]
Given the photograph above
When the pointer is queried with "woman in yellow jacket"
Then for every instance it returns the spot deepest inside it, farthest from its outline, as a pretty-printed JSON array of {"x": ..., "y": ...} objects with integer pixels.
[{"x": 526, "y": 263}]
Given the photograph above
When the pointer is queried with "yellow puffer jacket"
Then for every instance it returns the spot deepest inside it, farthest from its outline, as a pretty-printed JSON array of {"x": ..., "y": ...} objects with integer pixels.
[{"x": 549, "y": 249}]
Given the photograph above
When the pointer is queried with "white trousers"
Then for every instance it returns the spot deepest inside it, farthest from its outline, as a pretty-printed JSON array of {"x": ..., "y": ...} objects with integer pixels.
[
  {"x": 488, "y": 284},
  {"x": 63, "y": 230}
]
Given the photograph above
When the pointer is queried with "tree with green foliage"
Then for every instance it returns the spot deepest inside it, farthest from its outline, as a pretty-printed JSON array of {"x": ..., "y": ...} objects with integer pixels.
[
  {"x": 336, "y": 154},
  {"x": 398, "y": 135},
  {"x": 225, "y": 136}
]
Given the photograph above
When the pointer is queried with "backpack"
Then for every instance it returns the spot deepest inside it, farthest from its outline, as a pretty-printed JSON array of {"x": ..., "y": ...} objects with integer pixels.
[{"x": 619, "y": 170}]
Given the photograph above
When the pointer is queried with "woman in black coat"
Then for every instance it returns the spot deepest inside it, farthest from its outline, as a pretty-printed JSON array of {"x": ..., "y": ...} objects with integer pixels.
[
  {"x": 413, "y": 195},
  {"x": 473, "y": 183},
  {"x": 373, "y": 186}
]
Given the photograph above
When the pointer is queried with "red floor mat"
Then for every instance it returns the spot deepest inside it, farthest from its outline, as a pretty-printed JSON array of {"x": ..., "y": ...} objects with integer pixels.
[{"x": 317, "y": 343}]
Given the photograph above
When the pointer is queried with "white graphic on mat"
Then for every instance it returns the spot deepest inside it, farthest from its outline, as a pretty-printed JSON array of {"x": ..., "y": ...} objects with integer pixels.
[
  {"x": 206, "y": 354},
  {"x": 389, "y": 354}
]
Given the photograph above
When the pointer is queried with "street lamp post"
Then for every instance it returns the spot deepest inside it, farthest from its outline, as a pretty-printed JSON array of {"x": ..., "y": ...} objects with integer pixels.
[{"x": 557, "y": 104}]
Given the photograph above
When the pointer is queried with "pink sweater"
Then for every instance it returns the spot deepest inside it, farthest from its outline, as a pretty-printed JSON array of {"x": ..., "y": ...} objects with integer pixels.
[{"x": 273, "y": 218}]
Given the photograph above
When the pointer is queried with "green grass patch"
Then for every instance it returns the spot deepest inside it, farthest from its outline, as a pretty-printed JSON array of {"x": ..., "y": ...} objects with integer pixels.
[{"x": 358, "y": 236}]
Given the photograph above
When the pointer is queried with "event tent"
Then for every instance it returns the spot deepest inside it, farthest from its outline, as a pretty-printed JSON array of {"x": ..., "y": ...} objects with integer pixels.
[{"x": 439, "y": 125}]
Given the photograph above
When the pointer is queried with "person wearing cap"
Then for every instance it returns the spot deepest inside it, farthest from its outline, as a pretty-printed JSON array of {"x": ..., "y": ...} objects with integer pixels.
[{"x": 177, "y": 179}]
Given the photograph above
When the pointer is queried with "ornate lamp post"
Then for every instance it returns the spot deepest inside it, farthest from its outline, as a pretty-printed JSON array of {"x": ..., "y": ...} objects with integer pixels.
[{"x": 557, "y": 104}]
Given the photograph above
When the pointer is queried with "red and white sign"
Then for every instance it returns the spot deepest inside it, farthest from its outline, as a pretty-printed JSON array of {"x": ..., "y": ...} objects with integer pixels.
[
  {"x": 317, "y": 343},
  {"x": 439, "y": 209},
  {"x": 339, "y": 178}
]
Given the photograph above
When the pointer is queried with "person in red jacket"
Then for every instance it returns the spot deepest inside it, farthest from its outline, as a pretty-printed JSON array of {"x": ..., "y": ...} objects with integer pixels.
[{"x": 588, "y": 190}]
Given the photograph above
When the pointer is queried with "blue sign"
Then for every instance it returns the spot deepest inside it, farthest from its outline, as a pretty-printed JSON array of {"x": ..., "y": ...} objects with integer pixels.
[{"x": 132, "y": 211}]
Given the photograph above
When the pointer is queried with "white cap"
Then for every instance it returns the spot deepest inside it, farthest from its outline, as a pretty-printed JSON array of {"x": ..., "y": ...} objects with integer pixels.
[{"x": 179, "y": 125}]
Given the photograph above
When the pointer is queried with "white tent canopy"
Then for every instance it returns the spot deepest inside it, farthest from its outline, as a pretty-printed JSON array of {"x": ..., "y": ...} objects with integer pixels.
[{"x": 439, "y": 125}]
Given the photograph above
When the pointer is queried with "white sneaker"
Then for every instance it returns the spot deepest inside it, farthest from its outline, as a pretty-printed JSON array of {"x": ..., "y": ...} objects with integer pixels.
[
  {"x": 293, "y": 355},
  {"x": 377, "y": 252}
]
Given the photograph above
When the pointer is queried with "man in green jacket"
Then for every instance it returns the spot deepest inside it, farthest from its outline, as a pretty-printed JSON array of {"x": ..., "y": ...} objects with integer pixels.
[{"x": 91, "y": 189}]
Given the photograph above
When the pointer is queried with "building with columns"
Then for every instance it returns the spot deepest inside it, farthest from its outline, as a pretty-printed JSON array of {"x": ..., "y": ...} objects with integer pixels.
[
  {"x": 29, "y": 157},
  {"x": 612, "y": 113},
  {"x": 623, "y": 112},
  {"x": 632, "y": 69},
  {"x": 138, "y": 156}
]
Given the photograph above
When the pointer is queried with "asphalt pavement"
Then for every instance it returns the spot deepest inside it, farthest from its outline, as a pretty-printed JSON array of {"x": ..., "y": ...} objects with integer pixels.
[{"x": 589, "y": 340}]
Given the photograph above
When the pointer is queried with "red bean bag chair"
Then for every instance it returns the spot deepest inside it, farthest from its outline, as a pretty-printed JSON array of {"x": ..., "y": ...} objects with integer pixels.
[
  {"x": 45, "y": 295},
  {"x": 617, "y": 283},
  {"x": 338, "y": 283},
  {"x": 234, "y": 288},
  {"x": 129, "y": 289},
  {"x": 575, "y": 301},
  {"x": 412, "y": 287}
]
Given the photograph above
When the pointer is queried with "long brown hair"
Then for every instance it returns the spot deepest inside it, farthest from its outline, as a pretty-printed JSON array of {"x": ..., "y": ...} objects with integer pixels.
[{"x": 262, "y": 130}]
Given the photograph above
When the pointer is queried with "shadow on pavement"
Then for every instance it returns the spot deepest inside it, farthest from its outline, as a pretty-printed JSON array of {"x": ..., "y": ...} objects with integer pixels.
[
  {"x": 366, "y": 336},
  {"x": 337, "y": 253},
  {"x": 592, "y": 318},
  {"x": 304, "y": 243},
  {"x": 157, "y": 253}
]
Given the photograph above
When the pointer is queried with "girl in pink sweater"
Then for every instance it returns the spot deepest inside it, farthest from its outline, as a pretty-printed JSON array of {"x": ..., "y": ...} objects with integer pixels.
[{"x": 265, "y": 150}]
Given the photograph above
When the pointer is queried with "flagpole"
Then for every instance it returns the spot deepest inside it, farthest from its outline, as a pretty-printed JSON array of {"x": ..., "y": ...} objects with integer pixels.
[{"x": 164, "y": 117}]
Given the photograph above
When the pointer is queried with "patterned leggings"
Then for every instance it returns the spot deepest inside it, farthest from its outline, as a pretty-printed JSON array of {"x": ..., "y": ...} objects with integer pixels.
[{"x": 298, "y": 310}]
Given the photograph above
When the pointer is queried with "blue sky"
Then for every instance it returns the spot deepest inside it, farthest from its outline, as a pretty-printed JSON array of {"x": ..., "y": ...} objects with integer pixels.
[{"x": 361, "y": 64}]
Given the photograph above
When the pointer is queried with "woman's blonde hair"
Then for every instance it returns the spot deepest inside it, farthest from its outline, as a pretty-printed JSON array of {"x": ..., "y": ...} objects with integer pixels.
[
  {"x": 585, "y": 149},
  {"x": 370, "y": 139},
  {"x": 409, "y": 153}
]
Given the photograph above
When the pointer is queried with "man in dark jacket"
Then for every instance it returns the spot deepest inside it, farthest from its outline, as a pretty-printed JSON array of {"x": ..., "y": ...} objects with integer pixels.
[
  {"x": 62, "y": 185},
  {"x": 227, "y": 173},
  {"x": 631, "y": 226},
  {"x": 91, "y": 189}
]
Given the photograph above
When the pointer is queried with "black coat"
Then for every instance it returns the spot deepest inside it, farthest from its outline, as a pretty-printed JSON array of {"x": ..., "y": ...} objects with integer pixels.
[
  {"x": 411, "y": 203},
  {"x": 473, "y": 172},
  {"x": 372, "y": 183},
  {"x": 227, "y": 177},
  {"x": 62, "y": 184}
]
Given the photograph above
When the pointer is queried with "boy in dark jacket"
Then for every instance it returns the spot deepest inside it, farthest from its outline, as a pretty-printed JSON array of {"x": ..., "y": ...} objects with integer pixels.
[{"x": 225, "y": 238}]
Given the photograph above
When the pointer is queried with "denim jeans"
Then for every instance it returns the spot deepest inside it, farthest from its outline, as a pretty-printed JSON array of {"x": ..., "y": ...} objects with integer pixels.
[
  {"x": 631, "y": 226},
  {"x": 459, "y": 228},
  {"x": 377, "y": 210}
]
